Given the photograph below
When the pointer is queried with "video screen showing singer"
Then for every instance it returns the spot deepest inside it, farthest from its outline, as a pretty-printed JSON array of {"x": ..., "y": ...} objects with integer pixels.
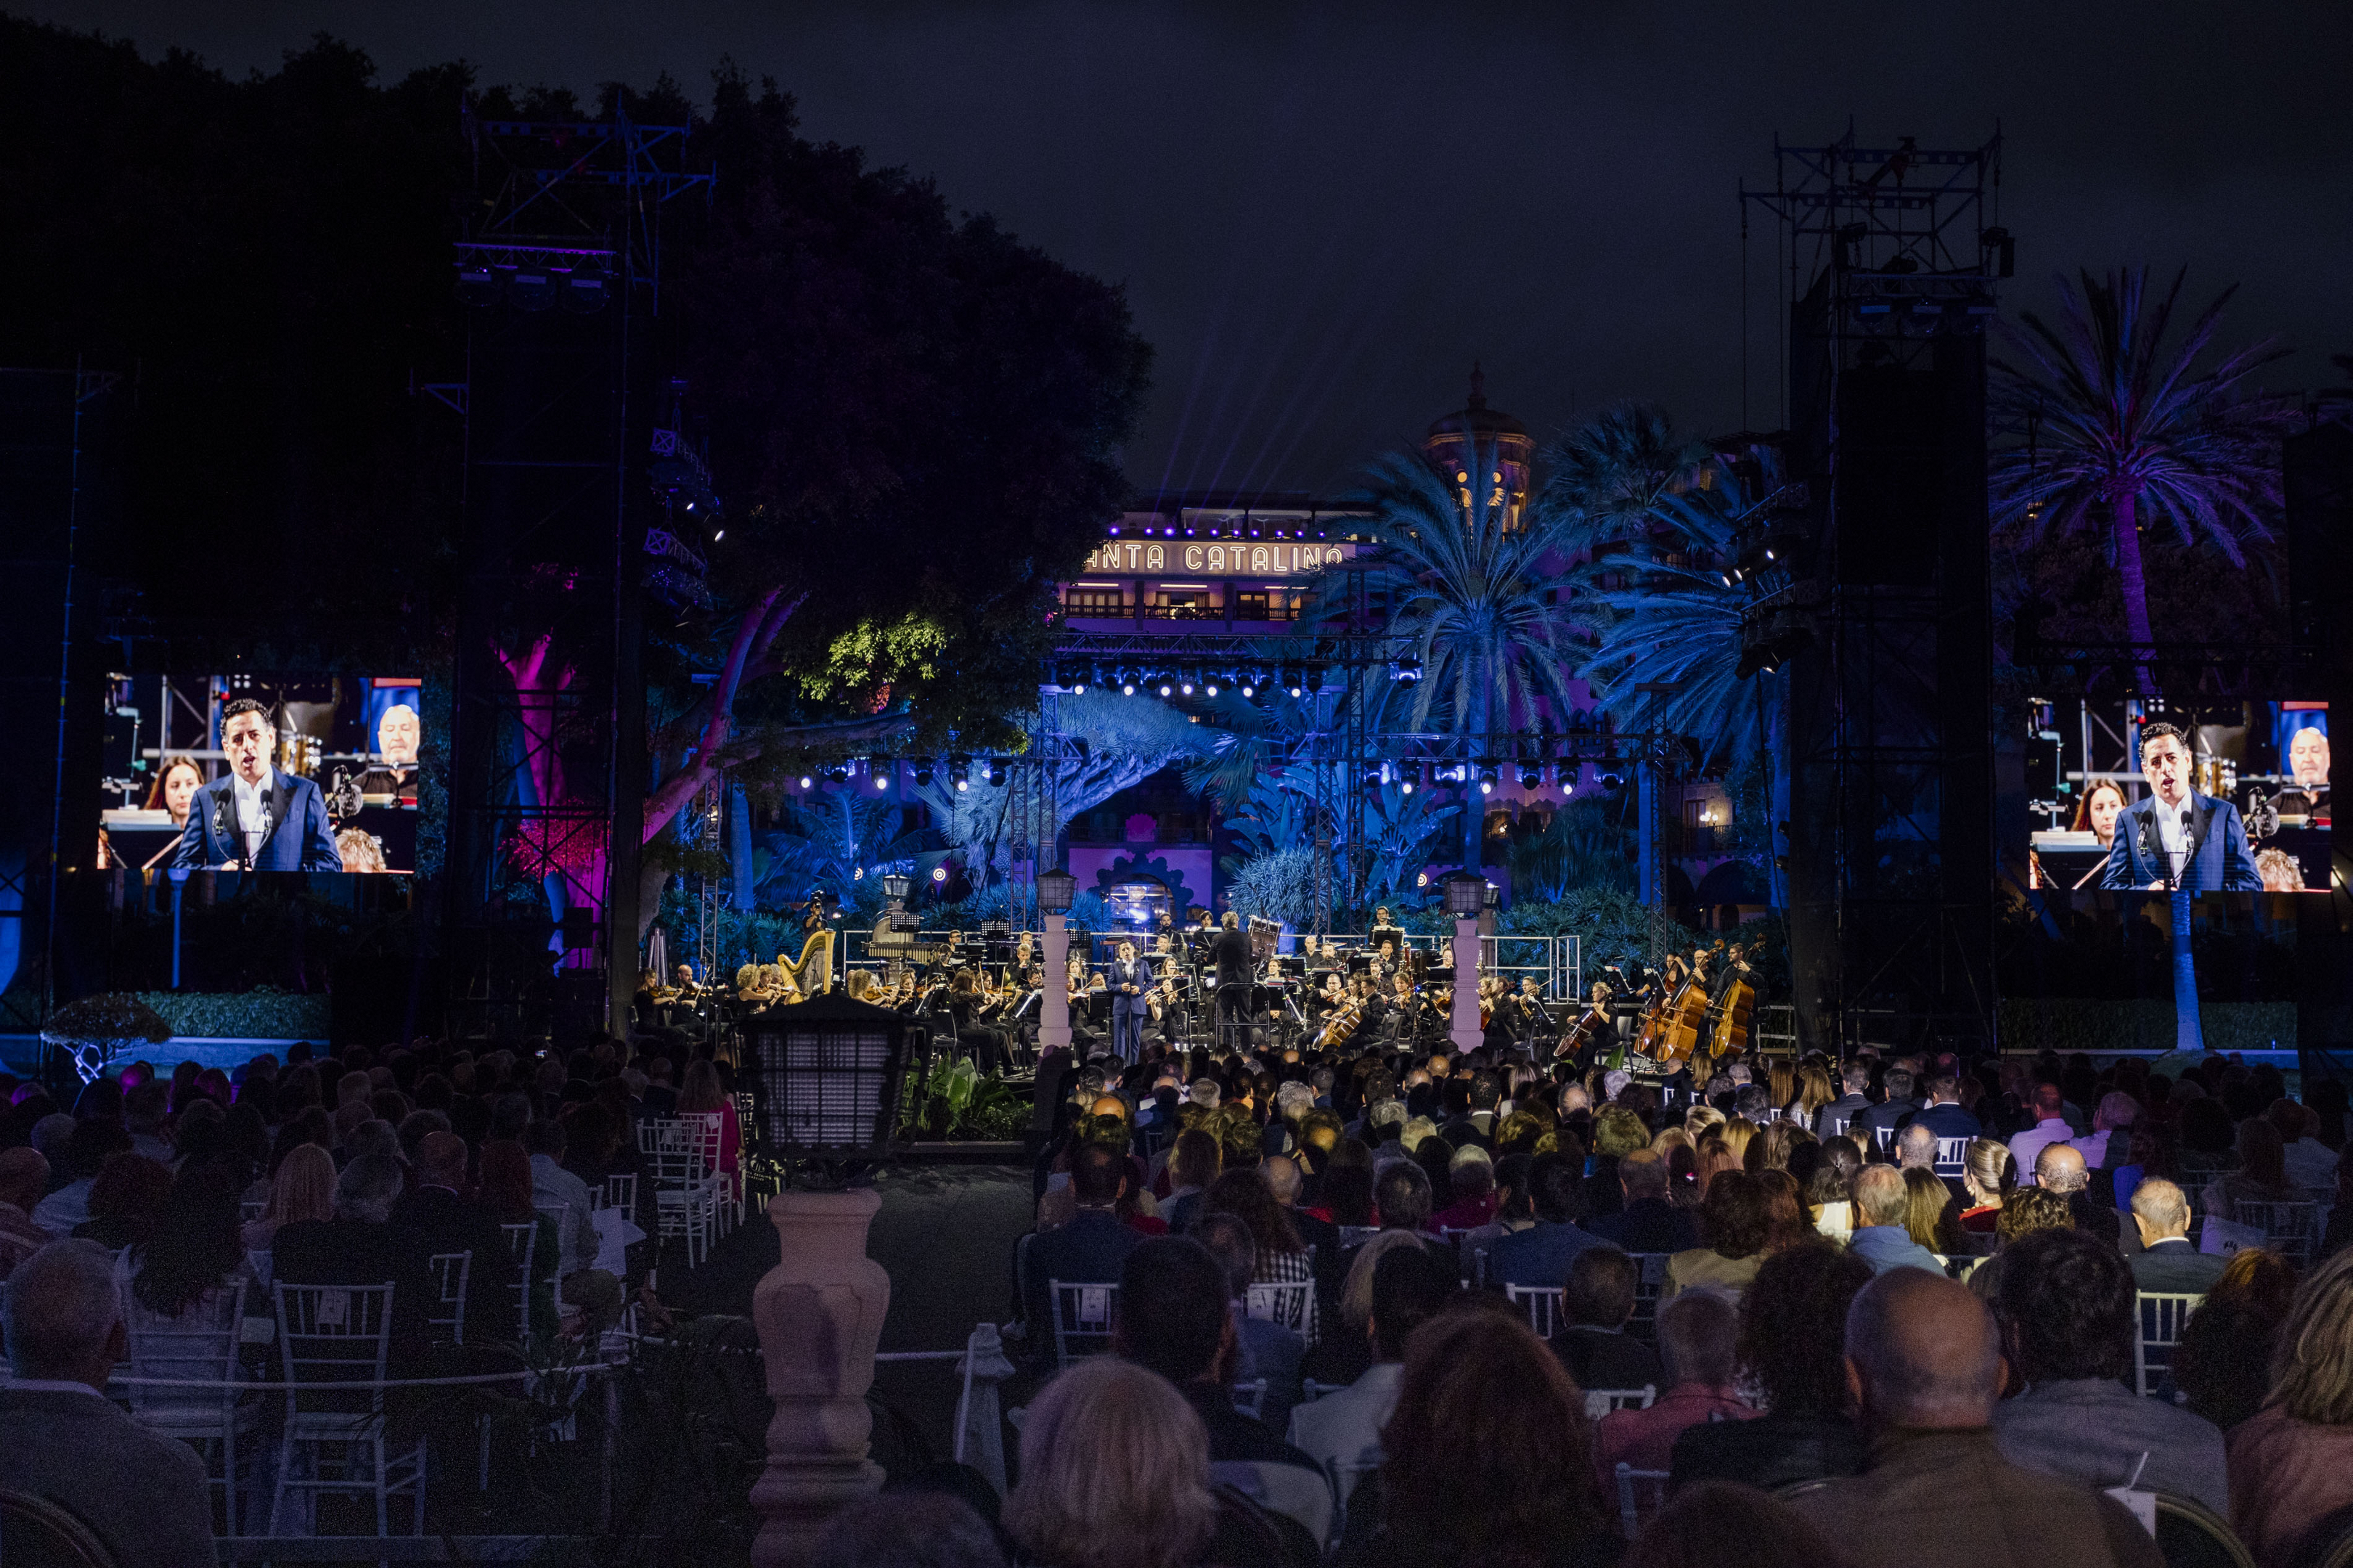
[
  {"x": 256, "y": 818},
  {"x": 2176, "y": 839}
]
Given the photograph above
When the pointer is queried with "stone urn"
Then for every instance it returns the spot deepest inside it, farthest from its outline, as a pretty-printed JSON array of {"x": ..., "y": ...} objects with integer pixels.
[{"x": 819, "y": 1314}]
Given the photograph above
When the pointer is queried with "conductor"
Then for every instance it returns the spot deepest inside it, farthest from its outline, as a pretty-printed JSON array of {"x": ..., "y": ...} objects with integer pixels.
[{"x": 1231, "y": 954}]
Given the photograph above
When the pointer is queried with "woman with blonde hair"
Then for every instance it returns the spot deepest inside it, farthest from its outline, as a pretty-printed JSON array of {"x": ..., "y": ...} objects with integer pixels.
[
  {"x": 1714, "y": 1156},
  {"x": 1814, "y": 1091},
  {"x": 1929, "y": 1213},
  {"x": 2291, "y": 1465},
  {"x": 1781, "y": 1086},
  {"x": 1737, "y": 1132},
  {"x": 1769, "y": 1149},
  {"x": 303, "y": 1188},
  {"x": 1667, "y": 1139},
  {"x": 1699, "y": 1119},
  {"x": 1988, "y": 1175},
  {"x": 1114, "y": 1473}
]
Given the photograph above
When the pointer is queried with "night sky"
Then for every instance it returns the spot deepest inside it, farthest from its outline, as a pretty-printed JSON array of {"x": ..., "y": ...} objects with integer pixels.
[{"x": 1323, "y": 215}]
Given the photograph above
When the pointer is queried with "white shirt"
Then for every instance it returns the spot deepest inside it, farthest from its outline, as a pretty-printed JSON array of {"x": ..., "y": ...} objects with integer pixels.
[
  {"x": 2172, "y": 837},
  {"x": 252, "y": 816},
  {"x": 2026, "y": 1146}
]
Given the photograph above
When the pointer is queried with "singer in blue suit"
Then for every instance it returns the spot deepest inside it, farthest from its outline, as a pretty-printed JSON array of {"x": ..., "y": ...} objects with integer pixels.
[
  {"x": 2178, "y": 840},
  {"x": 1130, "y": 984},
  {"x": 255, "y": 818}
]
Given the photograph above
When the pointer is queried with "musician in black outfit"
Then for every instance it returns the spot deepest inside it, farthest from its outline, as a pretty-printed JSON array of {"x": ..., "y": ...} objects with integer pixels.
[{"x": 1232, "y": 955}]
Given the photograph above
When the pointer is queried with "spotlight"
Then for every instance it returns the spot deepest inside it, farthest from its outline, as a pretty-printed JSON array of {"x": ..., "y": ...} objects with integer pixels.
[
  {"x": 1406, "y": 671},
  {"x": 1210, "y": 690},
  {"x": 1248, "y": 691},
  {"x": 924, "y": 774},
  {"x": 960, "y": 770},
  {"x": 807, "y": 782},
  {"x": 584, "y": 293},
  {"x": 1376, "y": 774},
  {"x": 939, "y": 873},
  {"x": 1611, "y": 784},
  {"x": 531, "y": 288},
  {"x": 477, "y": 287},
  {"x": 1531, "y": 778},
  {"x": 1488, "y": 776},
  {"x": 1184, "y": 687},
  {"x": 995, "y": 774},
  {"x": 1165, "y": 686},
  {"x": 1293, "y": 680},
  {"x": 837, "y": 774},
  {"x": 882, "y": 771},
  {"x": 1404, "y": 786}
]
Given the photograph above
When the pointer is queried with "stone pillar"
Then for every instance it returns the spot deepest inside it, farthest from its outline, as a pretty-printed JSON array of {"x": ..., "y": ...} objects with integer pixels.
[
  {"x": 1466, "y": 1032},
  {"x": 819, "y": 1315},
  {"x": 1054, "y": 1007}
]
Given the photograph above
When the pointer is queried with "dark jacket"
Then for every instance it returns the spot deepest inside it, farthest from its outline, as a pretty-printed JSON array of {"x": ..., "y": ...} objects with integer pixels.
[
  {"x": 143, "y": 1496},
  {"x": 1651, "y": 1224},
  {"x": 1597, "y": 1358},
  {"x": 440, "y": 1221},
  {"x": 1769, "y": 1452},
  {"x": 354, "y": 1252},
  {"x": 1538, "y": 1255},
  {"x": 1088, "y": 1250},
  {"x": 300, "y": 838},
  {"x": 2175, "y": 1268}
]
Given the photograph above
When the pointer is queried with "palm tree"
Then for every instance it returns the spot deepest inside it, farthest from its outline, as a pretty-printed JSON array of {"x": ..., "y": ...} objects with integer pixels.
[
  {"x": 2121, "y": 433},
  {"x": 1611, "y": 475},
  {"x": 1476, "y": 603}
]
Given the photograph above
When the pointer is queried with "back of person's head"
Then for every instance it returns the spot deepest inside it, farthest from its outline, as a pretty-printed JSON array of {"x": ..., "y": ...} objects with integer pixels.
[
  {"x": 1925, "y": 1351},
  {"x": 2030, "y": 1209},
  {"x": 1994, "y": 1167},
  {"x": 373, "y": 1137},
  {"x": 2065, "y": 1303},
  {"x": 1557, "y": 1188},
  {"x": 1114, "y": 1471},
  {"x": 1734, "y": 1218},
  {"x": 1172, "y": 1308},
  {"x": 1357, "y": 1289},
  {"x": 63, "y": 1311},
  {"x": 907, "y": 1530},
  {"x": 193, "y": 1244},
  {"x": 1598, "y": 1292},
  {"x": 1855, "y": 1076},
  {"x": 1228, "y": 1237},
  {"x": 91, "y": 1142},
  {"x": 441, "y": 1159},
  {"x": 1899, "y": 1083},
  {"x": 1916, "y": 1146},
  {"x": 1401, "y": 1192},
  {"x": 24, "y": 1177},
  {"x": 1618, "y": 1132},
  {"x": 1793, "y": 1326},
  {"x": 1096, "y": 1172},
  {"x": 2163, "y": 1205},
  {"x": 1283, "y": 1178},
  {"x": 1711, "y": 1522},
  {"x": 2048, "y": 1101},
  {"x": 1697, "y": 1334},
  {"x": 368, "y": 1188},
  {"x": 1478, "y": 1382},
  {"x": 510, "y": 1114},
  {"x": 1194, "y": 1161},
  {"x": 1410, "y": 1287},
  {"x": 1944, "y": 1085},
  {"x": 1471, "y": 1172},
  {"x": 2060, "y": 1169},
  {"x": 1879, "y": 1197}
]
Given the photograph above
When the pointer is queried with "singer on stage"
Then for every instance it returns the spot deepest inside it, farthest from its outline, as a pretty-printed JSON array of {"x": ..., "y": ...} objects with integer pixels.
[
  {"x": 255, "y": 818},
  {"x": 2178, "y": 840}
]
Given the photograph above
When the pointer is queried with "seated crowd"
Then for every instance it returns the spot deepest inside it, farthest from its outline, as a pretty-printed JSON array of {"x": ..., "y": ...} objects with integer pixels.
[
  {"x": 195, "y": 1196},
  {"x": 1376, "y": 1308}
]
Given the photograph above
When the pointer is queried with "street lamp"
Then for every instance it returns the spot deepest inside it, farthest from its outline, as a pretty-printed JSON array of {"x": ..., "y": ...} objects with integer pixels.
[
  {"x": 1466, "y": 895},
  {"x": 1055, "y": 891},
  {"x": 895, "y": 886}
]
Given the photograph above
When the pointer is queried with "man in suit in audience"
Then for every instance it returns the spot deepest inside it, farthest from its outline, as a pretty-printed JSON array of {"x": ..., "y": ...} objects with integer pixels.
[
  {"x": 1647, "y": 1222},
  {"x": 1945, "y": 1115},
  {"x": 144, "y": 1497},
  {"x": 1540, "y": 1256},
  {"x": 1088, "y": 1250},
  {"x": 2060, "y": 1167},
  {"x": 1890, "y": 1113},
  {"x": 1597, "y": 1302},
  {"x": 2169, "y": 1263},
  {"x": 1856, "y": 1077},
  {"x": 440, "y": 1220}
]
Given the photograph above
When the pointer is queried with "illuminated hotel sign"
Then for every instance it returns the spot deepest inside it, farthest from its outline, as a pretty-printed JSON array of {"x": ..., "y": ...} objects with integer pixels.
[{"x": 1288, "y": 557}]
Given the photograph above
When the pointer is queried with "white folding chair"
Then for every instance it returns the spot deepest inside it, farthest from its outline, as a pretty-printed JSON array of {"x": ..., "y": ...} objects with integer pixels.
[
  {"x": 1883, "y": 1136},
  {"x": 522, "y": 1237},
  {"x": 1310, "y": 1391},
  {"x": 616, "y": 1191},
  {"x": 1639, "y": 1493},
  {"x": 2163, "y": 1315},
  {"x": 330, "y": 1334},
  {"x": 1600, "y": 1402},
  {"x": 1541, "y": 1304},
  {"x": 199, "y": 1345},
  {"x": 1648, "y": 1285},
  {"x": 1358, "y": 1234},
  {"x": 450, "y": 1270},
  {"x": 1083, "y": 1316},
  {"x": 1289, "y": 1304},
  {"x": 1345, "y": 1475},
  {"x": 1839, "y": 1124},
  {"x": 686, "y": 1195},
  {"x": 1952, "y": 1156},
  {"x": 2290, "y": 1227},
  {"x": 1249, "y": 1398}
]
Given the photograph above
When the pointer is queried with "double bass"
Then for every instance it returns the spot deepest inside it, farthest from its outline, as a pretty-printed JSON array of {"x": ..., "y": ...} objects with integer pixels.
[{"x": 1736, "y": 1006}]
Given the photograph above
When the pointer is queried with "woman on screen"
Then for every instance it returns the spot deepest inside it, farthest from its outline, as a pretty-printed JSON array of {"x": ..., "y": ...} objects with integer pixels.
[
  {"x": 176, "y": 786},
  {"x": 2281, "y": 873},
  {"x": 2098, "y": 812}
]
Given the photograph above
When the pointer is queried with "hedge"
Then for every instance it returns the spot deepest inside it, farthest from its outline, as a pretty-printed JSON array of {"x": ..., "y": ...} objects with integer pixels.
[
  {"x": 2066, "y": 1024},
  {"x": 258, "y": 1015}
]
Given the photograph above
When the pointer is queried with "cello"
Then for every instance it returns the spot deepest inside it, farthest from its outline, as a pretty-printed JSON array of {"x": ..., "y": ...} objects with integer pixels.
[{"x": 1737, "y": 1007}]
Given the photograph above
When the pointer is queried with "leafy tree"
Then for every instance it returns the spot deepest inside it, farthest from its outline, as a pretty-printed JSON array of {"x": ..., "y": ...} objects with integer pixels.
[
  {"x": 1610, "y": 477},
  {"x": 1583, "y": 844},
  {"x": 2114, "y": 430}
]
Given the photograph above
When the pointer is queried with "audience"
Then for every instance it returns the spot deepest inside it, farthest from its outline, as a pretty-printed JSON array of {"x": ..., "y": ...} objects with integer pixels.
[
  {"x": 2168, "y": 1262},
  {"x": 1342, "y": 1431},
  {"x": 1736, "y": 1221},
  {"x": 1715, "y": 1522},
  {"x": 2223, "y": 1365},
  {"x": 1792, "y": 1347},
  {"x": 1882, "y": 1209},
  {"x": 24, "y": 1177},
  {"x": 1114, "y": 1470},
  {"x": 440, "y": 1220},
  {"x": 1266, "y": 1352},
  {"x": 1174, "y": 1320},
  {"x": 1487, "y": 1458},
  {"x": 1923, "y": 1360},
  {"x": 909, "y": 1530},
  {"x": 2290, "y": 1463},
  {"x": 1697, "y": 1339},
  {"x": 67, "y": 1442},
  {"x": 1988, "y": 1177},
  {"x": 2066, "y": 1305},
  {"x": 1597, "y": 1302},
  {"x": 1645, "y": 1221},
  {"x": 1542, "y": 1254}
]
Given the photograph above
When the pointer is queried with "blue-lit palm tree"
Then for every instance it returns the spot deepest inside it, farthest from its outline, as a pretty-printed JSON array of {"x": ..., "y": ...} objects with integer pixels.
[
  {"x": 1478, "y": 604},
  {"x": 1610, "y": 477},
  {"x": 2113, "y": 430}
]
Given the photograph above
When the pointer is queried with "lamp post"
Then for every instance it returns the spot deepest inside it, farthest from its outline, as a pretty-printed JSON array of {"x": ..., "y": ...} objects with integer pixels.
[
  {"x": 1466, "y": 895},
  {"x": 1055, "y": 891}
]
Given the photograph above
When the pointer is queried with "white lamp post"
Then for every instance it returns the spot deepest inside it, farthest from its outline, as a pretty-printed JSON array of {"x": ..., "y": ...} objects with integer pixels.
[
  {"x": 1466, "y": 895},
  {"x": 1055, "y": 891}
]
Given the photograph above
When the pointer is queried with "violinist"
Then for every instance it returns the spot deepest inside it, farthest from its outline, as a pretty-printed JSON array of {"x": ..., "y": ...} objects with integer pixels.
[
  {"x": 965, "y": 1006},
  {"x": 1167, "y": 1010}
]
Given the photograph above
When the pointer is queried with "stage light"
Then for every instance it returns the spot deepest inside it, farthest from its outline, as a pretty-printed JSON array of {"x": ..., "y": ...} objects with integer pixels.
[
  {"x": 1531, "y": 777},
  {"x": 996, "y": 772},
  {"x": 584, "y": 293},
  {"x": 807, "y": 782},
  {"x": 1127, "y": 686},
  {"x": 1164, "y": 687},
  {"x": 837, "y": 774},
  {"x": 1293, "y": 680},
  {"x": 1405, "y": 786},
  {"x": 1611, "y": 784},
  {"x": 1248, "y": 691},
  {"x": 1186, "y": 687},
  {"x": 718, "y": 536},
  {"x": 1488, "y": 776},
  {"x": 924, "y": 774},
  {"x": 960, "y": 770},
  {"x": 882, "y": 772},
  {"x": 1406, "y": 671},
  {"x": 477, "y": 287},
  {"x": 531, "y": 288},
  {"x": 939, "y": 873}
]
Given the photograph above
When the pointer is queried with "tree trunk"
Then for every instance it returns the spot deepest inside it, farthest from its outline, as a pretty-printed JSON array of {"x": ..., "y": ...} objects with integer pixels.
[{"x": 2134, "y": 581}]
